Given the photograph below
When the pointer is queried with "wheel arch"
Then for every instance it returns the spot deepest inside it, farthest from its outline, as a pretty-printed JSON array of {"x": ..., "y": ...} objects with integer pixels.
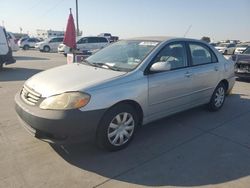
[
  {"x": 135, "y": 105},
  {"x": 225, "y": 83}
]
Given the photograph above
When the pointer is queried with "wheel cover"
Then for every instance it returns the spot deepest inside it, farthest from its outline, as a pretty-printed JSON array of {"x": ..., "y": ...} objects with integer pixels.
[
  {"x": 121, "y": 129},
  {"x": 219, "y": 97},
  {"x": 46, "y": 48}
]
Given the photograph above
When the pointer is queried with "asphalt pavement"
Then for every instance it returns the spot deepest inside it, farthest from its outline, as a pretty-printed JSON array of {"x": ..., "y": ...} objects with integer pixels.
[{"x": 195, "y": 148}]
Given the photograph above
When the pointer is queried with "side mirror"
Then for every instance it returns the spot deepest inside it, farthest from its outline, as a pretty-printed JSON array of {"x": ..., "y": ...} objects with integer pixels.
[{"x": 160, "y": 66}]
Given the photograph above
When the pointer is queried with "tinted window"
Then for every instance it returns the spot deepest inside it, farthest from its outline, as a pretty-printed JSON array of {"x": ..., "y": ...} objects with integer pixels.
[
  {"x": 32, "y": 40},
  {"x": 201, "y": 54},
  {"x": 56, "y": 40},
  {"x": 93, "y": 40},
  {"x": 82, "y": 41},
  {"x": 101, "y": 39},
  {"x": 174, "y": 54},
  {"x": 231, "y": 45}
]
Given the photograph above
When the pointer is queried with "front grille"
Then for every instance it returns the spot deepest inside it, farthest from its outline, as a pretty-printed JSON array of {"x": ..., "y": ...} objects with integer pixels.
[{"x": 30, "y": 96}]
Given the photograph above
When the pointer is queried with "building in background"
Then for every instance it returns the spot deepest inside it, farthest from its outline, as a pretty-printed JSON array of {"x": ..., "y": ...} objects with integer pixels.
[{"x": 41, "y": 33}]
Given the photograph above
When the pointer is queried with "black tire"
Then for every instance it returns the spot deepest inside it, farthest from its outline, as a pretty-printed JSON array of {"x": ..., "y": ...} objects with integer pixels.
[
  {"x": 26, "y": 47},
  {"x": 46, "y": 49},
  {"x": 102, "y": 138},
  {"x": 217, "y": 100}
]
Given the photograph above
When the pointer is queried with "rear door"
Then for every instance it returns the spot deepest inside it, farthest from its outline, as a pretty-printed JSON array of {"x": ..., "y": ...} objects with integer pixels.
[
  {"x": 169, "y": 91},
  {"x": 205, "y": 71}
]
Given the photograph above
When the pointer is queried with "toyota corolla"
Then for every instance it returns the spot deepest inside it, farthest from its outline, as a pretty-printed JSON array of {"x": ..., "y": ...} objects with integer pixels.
[{"x": 123, "y": 86}]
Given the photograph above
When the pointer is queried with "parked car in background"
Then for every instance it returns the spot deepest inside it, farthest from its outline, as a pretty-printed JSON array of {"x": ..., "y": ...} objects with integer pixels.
[
  {"x": 110, "y": 37},
  {"x": 226, "y": 48},
  {"x": 27, "y": 43},
  {"x": 13, "y": 42},
  {"x": 242, "y": 65},
  {"x": 5, "y": 50},
  {"x": 214, "y": 44},
  {"x": 241, "y": 48},
  {"x": 121, "y": 87},
  {"x": 85, "y": 44},
  {"x": 49, "y": 45}
]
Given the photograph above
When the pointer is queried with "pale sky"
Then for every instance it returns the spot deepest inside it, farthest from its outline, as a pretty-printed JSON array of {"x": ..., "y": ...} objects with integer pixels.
[{"x": 218, "y": 19}]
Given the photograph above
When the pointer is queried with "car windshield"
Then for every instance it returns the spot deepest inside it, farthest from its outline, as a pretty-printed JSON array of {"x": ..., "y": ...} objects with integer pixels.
[
  {"x": 124, "y": 55},
  {"x": 247, "y": 51}
]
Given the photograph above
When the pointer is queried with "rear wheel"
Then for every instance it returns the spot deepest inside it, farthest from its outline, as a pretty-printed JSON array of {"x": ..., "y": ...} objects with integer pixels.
[
  {"x": 26, "y": 47},
  {"x": 46, "y": 48},
  {"x": 218, "y": 98},
  {"x": 117, "y": 127}
]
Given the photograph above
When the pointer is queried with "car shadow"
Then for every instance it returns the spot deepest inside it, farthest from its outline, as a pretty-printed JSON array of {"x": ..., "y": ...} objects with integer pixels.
[
  {"x": 17, "y": 74},
  {"x": 29, "y": 58},
  {"x": 186, "y": 156}
]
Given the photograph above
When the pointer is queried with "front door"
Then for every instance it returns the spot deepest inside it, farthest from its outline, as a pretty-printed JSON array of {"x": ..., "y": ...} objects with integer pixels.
[{"x": 169, "y": 91}]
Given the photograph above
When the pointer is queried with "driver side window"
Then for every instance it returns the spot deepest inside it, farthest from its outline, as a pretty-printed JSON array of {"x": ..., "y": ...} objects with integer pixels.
[{"x": 173, "y": 54}]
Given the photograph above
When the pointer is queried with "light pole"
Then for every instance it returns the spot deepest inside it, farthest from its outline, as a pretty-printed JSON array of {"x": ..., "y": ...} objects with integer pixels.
[{"x": 77, "y": 25}]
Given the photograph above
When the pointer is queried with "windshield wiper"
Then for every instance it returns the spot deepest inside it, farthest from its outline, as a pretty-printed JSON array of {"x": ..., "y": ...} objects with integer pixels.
[
  {"x": 103, "y": 65},
  {"x": 86, "y": 62}
]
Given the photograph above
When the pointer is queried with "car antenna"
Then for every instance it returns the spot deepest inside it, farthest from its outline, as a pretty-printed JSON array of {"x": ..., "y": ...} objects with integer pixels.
[{"x": 188, "y": 29}]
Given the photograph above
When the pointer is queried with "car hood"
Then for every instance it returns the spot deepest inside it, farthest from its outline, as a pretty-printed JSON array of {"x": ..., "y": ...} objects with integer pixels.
[
  {"x": 243, "y": 58},
  {"x": 71, "y": 77}
]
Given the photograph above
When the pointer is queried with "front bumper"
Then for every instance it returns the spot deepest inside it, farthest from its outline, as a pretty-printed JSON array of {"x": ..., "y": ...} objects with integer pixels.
[{"x": 57, "y": 126}]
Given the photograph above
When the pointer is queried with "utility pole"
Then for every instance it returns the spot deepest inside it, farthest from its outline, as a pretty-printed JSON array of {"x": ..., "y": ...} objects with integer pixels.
[{"x": 77, "y": 25}]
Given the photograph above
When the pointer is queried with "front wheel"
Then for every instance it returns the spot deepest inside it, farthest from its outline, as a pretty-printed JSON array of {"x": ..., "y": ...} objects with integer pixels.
[
  {"x": 218, "y": 98},
  {"x": 117, "y": 127},
  {"x": 46, "y": 48}
]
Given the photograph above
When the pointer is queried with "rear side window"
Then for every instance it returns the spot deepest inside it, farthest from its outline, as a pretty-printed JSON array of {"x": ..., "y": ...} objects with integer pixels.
[
  {"x": 201, "y": 54},
  {"x": 82, "y": 41},
  {"x": 56, "y": 40},
  {"x": 101, "y": 40},
  {"x": 93, "y": 40},
  {"x": 32, "y": 40}
]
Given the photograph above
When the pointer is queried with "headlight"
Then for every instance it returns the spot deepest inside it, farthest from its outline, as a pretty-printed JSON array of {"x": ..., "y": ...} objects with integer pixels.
[{"x": 65, "y": 101}]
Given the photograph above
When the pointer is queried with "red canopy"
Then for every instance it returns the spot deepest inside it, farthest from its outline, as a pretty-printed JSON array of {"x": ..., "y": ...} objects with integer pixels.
[{"x": 70, "y": 34}]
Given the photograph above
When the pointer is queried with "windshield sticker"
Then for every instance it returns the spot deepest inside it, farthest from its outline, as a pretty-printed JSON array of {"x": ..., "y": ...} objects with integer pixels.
[{"x": 145, "y": 43}]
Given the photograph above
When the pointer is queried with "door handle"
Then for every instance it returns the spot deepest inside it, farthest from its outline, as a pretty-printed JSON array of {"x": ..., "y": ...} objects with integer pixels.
[
  {"x": 216, "y": 68},
  {"x": 188, "y": 74}
]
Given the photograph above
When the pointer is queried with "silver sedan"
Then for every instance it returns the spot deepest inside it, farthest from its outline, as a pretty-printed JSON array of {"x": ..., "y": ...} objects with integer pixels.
[{"x": 123, "y": 86}]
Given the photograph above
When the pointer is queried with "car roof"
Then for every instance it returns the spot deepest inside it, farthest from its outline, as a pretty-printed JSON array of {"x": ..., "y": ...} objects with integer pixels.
[
  {"x": 153, "y": 38},
  {"x": 164, "y": 38}
]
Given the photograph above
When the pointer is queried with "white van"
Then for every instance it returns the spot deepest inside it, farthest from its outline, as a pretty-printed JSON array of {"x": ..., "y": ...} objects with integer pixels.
[{"x": 5, "y": 50}]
